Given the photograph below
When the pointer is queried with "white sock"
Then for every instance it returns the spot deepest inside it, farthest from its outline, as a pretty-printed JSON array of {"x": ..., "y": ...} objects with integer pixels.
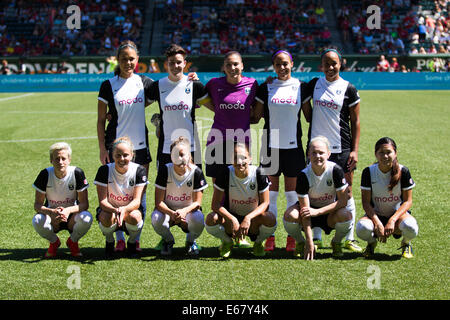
[
  {"x": 83, "y": 222},
  {"x": 265, "y": 232},
  {"x": 342, "y": 229},
  {"x": 317, "y": 233},
  {"x": 196, "y": 223},
  {"x": 351, "y": 207},
  {"x": 291, "y": 198},
  {"x": 160, "y": 223},
  {"x": 144, "y": 212},
  {"x": 42, "y": 223},
  {"x": 409, "y": 229},
  {"x": 294, "y": 230},
  {"x": 364, "y": 230},
  {"x": 108, "y": 232},
  {"x": 134, "y": 230},
  {"x": 218, "y": 231},
  {"x": 273, "y": 196}
]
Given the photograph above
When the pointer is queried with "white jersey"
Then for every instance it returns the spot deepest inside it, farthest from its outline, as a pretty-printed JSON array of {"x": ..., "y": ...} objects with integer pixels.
[
  {"x": 242, "y": 195},
  {"x": 126, "y": 102},
  {"x": 121, "y": 186},
  {"x": 282, "y": 104},
  {"x": 331, "y": 114},
  {"x": 385, "y": 202},
  {"x": 179, "y": 189},
  {"x": 321, "y": 190},
  {"x": 177, "y": 101},
  {"x": 61, "y": 192}
]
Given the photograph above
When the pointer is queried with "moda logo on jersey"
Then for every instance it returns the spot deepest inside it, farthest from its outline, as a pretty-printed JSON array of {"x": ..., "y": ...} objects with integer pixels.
[
  {"x": 325, "y": 197},
  {"x": 237, "y": 105},
  {"x": 324, "y": 103},
  {"x": 241, "y": 202},
  {"x": 183, "y": 197},
  {"x": 131, "y": 101},
  {"x": 67, "y": 201},
  {"x": 290, "y": 100},
  {"x": 180, "y": 106},
  {"x": 391, "y": 198},
  {"x": 126, "y": 199}
]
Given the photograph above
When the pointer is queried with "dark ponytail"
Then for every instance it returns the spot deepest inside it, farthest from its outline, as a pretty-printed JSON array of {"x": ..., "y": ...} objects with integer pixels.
[
  {"x": 123, "y": 45},
  {"x": 396, "y": 173}
]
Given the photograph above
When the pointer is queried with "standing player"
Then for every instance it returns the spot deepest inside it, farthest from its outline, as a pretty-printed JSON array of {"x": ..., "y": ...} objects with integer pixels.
[
  {"x": 177, "y": 96},
  {"x": 231, "y": 98},
  {"x": 178, "y": 197},
  {"x": 61, "y": 201},
  {"x": 322, "y": 194},
  {"x": 123, "y": 98},
  {"x": 240, "y": 202},
  {"x": 280, "y": 102},
  {"x": 335, "y": 115},
  {"x": 120, "y": 185},
  {"x": 386, "y": 189}
]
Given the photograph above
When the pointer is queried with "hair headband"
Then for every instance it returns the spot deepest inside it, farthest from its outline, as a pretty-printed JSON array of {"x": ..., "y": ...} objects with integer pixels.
[
  {"x": 281, "y": 51},
  {"x": 122, "y": 141},
  {"x": 331, "y": 50},
  {"x": 127, "y": 45}
]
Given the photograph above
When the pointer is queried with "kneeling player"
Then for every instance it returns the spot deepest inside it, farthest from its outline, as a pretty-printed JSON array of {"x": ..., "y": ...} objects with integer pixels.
[
  {"x": 61, "y": 201},
  {"x": 240, "y": 202},
  {"x": 386, "y": 189},
  {"x": 322, "y": 194},
  {"x": 178, "y": 197},
  {"x": 119, "y": 187}
]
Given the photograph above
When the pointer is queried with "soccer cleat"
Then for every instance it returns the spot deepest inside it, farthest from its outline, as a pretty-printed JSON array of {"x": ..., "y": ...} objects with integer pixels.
[
  {"x": 138, "y": 246},
  {"x": 337, "y": 249},
  {"x": 270, "y": 244},
  {"x": 74, "y": 249},
  {"x": 370, "y": 250},
  {"x": 225, "y": 249},
  {"x": 352, "y": 246},
  {"x": 407, "y": 250},
  {"x": 158, "y": 247},
  {"x": 258, "y": 249},
  {"x": 109, "y": 249},
  {"x": 51, "y": 252},
  {"x": 120, "y": 246},
  {"x": 131, "y": 249},
  {"x": 290, "y": 244},
  {"x": 318, "y": 243},
  {"x": 242, "y": 244},
  {"x": 192, "y": 248},
  {"x": 167, "y": 248},
  {"x": 299, "y": 249}
]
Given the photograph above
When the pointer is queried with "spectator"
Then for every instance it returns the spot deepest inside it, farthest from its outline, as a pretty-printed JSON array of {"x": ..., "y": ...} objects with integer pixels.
[
  {"x": 4, "y": 69},
  {"x": 394, "y": 67},
  {"x": 383, "y": 64}
]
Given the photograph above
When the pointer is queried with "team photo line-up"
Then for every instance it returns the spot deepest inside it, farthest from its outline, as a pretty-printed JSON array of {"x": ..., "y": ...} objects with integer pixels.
[{"x": 317, "y": 183}]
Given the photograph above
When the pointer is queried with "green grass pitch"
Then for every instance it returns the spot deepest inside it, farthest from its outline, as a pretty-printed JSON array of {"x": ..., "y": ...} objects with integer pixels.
[{"x": 30, "y": 123}]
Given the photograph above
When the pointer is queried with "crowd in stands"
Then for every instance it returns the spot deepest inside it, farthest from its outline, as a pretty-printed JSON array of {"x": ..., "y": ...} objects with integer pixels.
[
  {"x": 248, "y": 26},
  {"x": 38, "y": 27},
  {"x": 407, "y": 26}
]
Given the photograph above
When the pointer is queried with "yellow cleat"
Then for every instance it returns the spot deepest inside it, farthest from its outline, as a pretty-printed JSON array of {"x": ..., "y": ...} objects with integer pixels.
[
  {"x": 352, "y": 246},
  {"x": 407, "y": 250},
  {"x": 258, "y": 249},
  {"x": 225, "y": 249},
  {"x": 242, "y": 244},
  {"x": 337, "y": 249},
  {"x": 299, "y": 249}
]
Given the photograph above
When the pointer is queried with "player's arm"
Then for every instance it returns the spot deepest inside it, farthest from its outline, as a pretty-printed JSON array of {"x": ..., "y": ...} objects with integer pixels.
[
  {"x": 307, "y": 110},
  {"x": 256, "y": 112},
  {"x": 101, "y": 121},
  {"x": 260, "y": 209},
  {"x": 356, "y": 131},
  {"x": 366, "y": 198},
  {"x": 404, "y": 207},
  {"x": 160, "y": 205},
  {"x": 305, "y": 221},
  {"x": 207, "y": 102},
  {"x": 82, "y": 205},
  {"x": 102, "y": 193},
  {"x": 39, "y": 200}
]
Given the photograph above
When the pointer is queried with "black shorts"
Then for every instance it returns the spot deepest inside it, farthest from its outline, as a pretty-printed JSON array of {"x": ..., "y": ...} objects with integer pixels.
[
  {"x": 321, "y": 222},
  {"x": 142, "y": 156},
  {"x": 164, "y": 158},
  {"x": 341, "y": 159},
  {"x": 291, "y": 162},
  {"x": 65, "y": 225},
  {"x": 123, "y": 227},
  {"x": 212, "y": 168},
  {"x": 384, "y": 220},
  {"x": 240, "y": 219}
]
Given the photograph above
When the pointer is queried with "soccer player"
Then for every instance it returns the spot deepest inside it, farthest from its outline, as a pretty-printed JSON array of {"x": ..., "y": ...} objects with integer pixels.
[
  {"x": 322, "y": 195},
  {"x": 281, "y": 102},
  {"x": 231, "y": 100},
  {"x": 120, "y": 185},
  {"x": 240, "y": 202},
  {"x": 61, "y": 201},
  {"x": 123, "y": 98},
  {"x": 178, "y": 197},
  {"x": 177, "y": 96},
  {"x": 335, "y": 115},
  {"x": 386, "y": 191}
]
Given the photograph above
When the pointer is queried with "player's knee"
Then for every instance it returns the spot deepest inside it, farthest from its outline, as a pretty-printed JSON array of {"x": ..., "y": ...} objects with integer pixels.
[
  {"x": 212, "y": 219},
  {"x": 343, "y": 215},
  {"x": 134, "y": 217},
  {"x": 409, "y": 226},
  {"x": 291, "y": 214},
  {"x": 270, "y": 219},
  {"x": 84, "y": 217},
  {"x": 158, "y": 218},
  {"x": 39, "y": 220},
  {"x": 364, "y": 229}
]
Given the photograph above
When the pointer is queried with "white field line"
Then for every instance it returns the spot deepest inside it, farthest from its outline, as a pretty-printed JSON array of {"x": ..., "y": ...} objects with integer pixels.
[
  {"x": 16, "y": 97},
  {"x": 47, "y": 139}
]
